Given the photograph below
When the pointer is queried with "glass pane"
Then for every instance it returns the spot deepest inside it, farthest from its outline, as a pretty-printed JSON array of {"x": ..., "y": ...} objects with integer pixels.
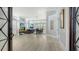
[
  {"x": 2, "y": 22},
  {"x": 5, "y": 10},
  {"x": 2, "y": 36},
  {"x": 4, "y": 30},
  {"x": 5, "y": 48},
  {"x": 2, "y": 43},
  {"x": 1, "y": 14},
  {"x": 77, "y": 30}
]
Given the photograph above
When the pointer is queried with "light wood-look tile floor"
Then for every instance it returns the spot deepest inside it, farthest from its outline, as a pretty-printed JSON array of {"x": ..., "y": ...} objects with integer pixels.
[{"x": 32, "y": 42}]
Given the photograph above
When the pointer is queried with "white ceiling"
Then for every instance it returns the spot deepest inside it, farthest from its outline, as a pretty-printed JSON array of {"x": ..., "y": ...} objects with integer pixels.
[{"x": 32, "y": 11}]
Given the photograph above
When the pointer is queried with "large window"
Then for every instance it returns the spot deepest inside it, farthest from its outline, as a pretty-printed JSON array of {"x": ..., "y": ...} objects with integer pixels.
[{"x": 38, "y": 24}]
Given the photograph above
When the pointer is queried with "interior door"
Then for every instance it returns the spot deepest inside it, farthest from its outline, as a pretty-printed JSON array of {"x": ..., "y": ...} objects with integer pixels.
[{"x": 5, "y": 28}]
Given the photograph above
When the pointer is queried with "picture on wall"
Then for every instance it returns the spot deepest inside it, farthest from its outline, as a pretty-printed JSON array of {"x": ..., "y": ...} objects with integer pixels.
[{"x": 62, "y": 19}]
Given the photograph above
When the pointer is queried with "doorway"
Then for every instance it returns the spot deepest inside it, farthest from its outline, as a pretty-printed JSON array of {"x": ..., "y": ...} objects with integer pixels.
[
  {"x": 38, "y": 29},
  {"x": 55, "y": 34}
]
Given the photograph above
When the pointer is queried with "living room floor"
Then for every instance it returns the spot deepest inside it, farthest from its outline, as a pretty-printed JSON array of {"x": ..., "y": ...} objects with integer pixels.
[{"x": 33, "y": 42}]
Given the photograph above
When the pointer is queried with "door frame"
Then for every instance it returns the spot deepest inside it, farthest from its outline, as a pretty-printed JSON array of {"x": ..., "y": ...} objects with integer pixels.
[
  {"x": 72, "y": 29},
  {"x": 10, "y": 35},
  {"x": 8, "y": 19}
]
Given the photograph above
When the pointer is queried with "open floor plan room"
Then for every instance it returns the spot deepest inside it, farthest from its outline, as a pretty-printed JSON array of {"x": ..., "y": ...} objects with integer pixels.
[{"x": 33, "y": 42}]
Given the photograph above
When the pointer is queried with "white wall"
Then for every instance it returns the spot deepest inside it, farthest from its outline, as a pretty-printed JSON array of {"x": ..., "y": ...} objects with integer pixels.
[
  {"x": 14, "y": 26},
  {"x": 64, "y": 33},
  {"x": 61, "y": 34},
  {"x": 54, "y": 20},
  {"x": 67, "y": 27},
  {"x": 53, "y": 15}
]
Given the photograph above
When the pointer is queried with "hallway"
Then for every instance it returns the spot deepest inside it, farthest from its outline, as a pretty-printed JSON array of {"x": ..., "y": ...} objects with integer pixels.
[
  {"x": 32, "y": 42},
  {"x": 51, "y": 24}
]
